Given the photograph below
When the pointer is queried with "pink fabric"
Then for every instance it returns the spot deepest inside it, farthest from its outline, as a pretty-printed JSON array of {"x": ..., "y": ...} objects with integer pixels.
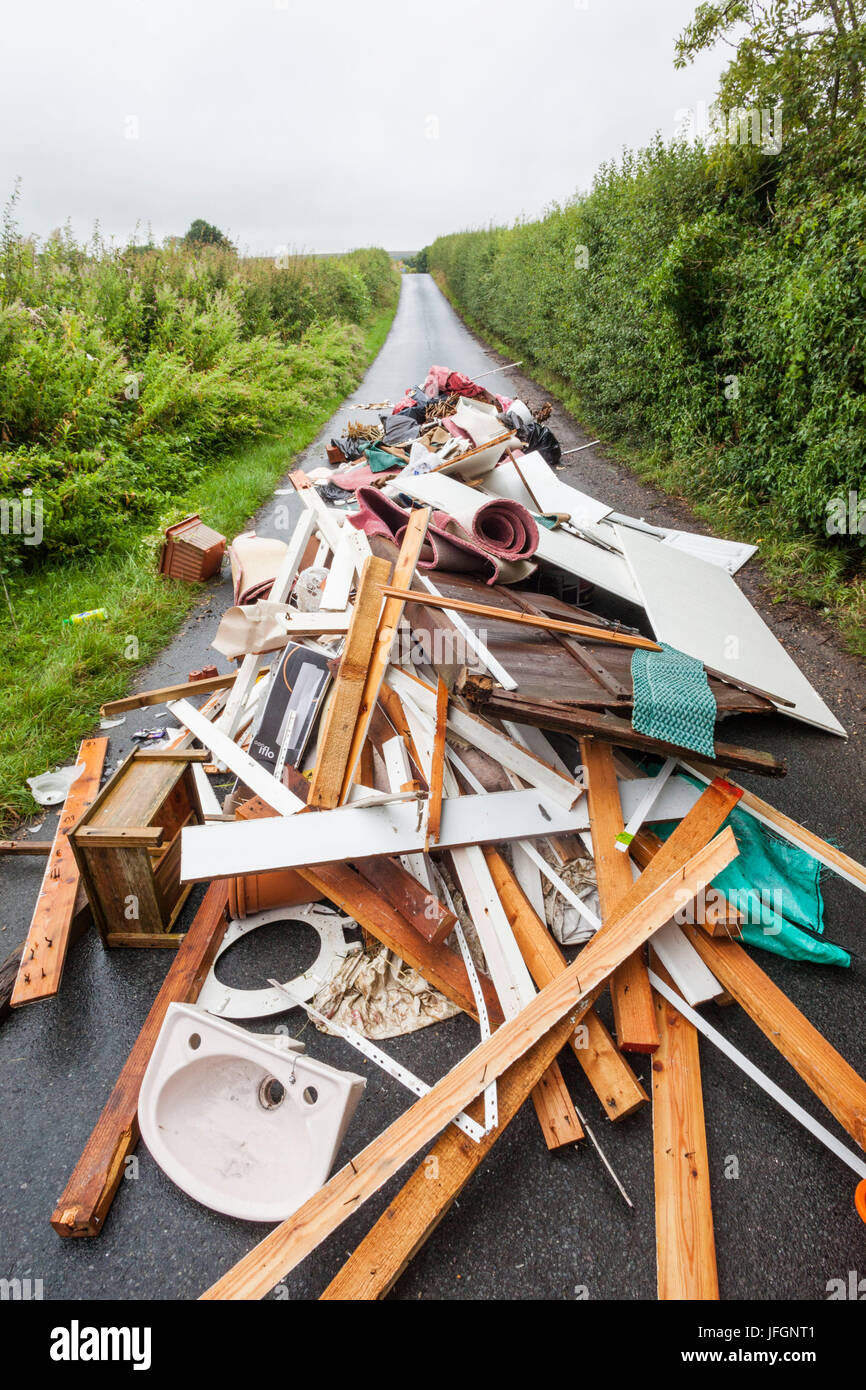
[
  {"x": 403, "y": 405},
  {"x": 363, "y": 476},
  {"x": 435, "y": 382}
]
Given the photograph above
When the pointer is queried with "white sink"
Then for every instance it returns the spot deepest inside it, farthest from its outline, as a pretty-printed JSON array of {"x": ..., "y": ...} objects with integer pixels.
[{"x": 244, "y": 1123}]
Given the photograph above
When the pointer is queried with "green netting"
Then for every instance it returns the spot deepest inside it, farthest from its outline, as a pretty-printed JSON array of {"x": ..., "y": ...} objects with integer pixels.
[{"x": 672, "y": 699}]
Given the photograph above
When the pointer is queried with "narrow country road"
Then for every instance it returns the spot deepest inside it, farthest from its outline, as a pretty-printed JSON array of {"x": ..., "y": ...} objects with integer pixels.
[{"x": 530, "y": 1225}]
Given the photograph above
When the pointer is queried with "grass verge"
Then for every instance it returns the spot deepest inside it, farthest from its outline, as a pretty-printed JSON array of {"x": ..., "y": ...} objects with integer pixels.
[
  {"x": 53, "y": 679},
  {"x": 799, "y": 569}
]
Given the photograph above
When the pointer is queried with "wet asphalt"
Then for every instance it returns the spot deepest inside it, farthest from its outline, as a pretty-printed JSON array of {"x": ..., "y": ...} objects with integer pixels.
[{"x": 530, "y": 1225}]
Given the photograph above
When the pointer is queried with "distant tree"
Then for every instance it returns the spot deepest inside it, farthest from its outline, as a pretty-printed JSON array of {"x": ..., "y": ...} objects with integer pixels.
[{"x": 203, "y": 233}]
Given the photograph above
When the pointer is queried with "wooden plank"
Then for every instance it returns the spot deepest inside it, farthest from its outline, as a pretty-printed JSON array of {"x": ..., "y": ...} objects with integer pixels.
[
  {"x": 82, "y": 1209},
  {"x": 16, "y": 847},
  {"x": 389, "y": 622},
  {"x": 323, "y": 1213},
  {"x": 816, "y": 1061},
  {"x": 685, "y": 1241},
  {"x": 411, "y": 1218},
  {"x": 587, "y": 723},
  {"x": 430, "y": 918},
  {"x": 530, "y": 620},
  {"x": 44, "y": 954},
  {"x": 607, "y": 1071},
  {"x": 341, "y": 711},
  {"x": 169, "y": 692},
  {"x": 437, "y": 771},
  {"x": 633, "y": 1012}
]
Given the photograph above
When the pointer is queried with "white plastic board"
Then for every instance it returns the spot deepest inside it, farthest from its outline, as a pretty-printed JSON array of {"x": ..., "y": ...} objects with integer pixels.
[{"x": 699, "y": 609}]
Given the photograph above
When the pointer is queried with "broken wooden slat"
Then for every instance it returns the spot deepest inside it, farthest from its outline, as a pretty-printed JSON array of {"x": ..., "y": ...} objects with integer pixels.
[
  {"x": 411, "y": 1218},
  {"x": 341, "y": 713},
  {"x": 169, "y": 692},
  {"x": 634, "y": 1016},
  {"x": 685, "y": 1241},
  {"x": 82, "y": 1209},
  {"x": 587, "y": 723},
  {"x": 607, "y": 1071},
  {"x": 44, "y": 954},
  {"x": 430, "y": 918},
  {"x": 389, "y": 621},
  {"x": 16, "y": 847},
  {"x": 824, "y": 1070},
  {"x": 323, "y": 1213},
  {"x": 531, "y": 620},
  {"x": 437, "y": 769}
]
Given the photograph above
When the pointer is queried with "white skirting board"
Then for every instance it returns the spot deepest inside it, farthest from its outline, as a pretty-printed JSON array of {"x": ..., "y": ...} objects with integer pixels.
[
  {"x": 240, "y": 847},
  {"x": 699, "y": 609}
]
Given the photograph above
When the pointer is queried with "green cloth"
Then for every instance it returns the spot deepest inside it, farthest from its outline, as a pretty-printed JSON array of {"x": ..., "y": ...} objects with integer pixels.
[
  {"x": 672, "y": 699},
  {"x": 776, "y": 886},
  {"x": 379, "y": 460}
]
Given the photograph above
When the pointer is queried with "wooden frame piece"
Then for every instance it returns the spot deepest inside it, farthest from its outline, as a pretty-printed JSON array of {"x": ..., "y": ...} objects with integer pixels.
[
  {"x": 437, "y": 772},
  {"x": 44, "y": 954},
  {"x": 323, "y": 1213},
  {"x": 833, "y": 1080},
  {"x": 685, "y": 1240},
  {"x": 341, "y": 712},
  {"x": 169, "y": 692},
  {"x": 634, "y": 1015},
  {"x": 607, "y": 1071},
  {"x": 389, "y": 621},
  {"x": 531, "y": 620}
]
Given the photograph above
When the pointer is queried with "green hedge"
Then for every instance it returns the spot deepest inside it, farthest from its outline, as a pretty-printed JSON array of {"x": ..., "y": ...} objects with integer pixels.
[
  {"x": 124, "y": 374},
  {"x": 723, "y": 325}
]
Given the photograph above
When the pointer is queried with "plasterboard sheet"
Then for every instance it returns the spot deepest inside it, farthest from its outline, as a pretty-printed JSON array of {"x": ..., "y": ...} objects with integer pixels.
[
  {"x": 554, "y": 495},
  {"x": 728, "y": 555},
  {"x": 699, "y": 609},
  {"x": 290, "y": 842},
  {"x": 557, "y": 547}
]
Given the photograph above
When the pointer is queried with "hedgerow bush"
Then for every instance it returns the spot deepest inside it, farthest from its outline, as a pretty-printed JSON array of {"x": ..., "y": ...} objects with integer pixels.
[
  {"x": 125, "y": 372},
  {"x": 708, "y": 301}
]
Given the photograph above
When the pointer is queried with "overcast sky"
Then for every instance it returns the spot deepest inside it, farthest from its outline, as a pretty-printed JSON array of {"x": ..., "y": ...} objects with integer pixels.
[{"x": 327, "y": 124}]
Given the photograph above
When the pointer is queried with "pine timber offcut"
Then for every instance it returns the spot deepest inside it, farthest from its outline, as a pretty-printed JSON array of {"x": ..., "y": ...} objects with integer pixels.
[
  {"x": 388, "y": 625},
  {"x": 82, "y": 1209},
  {"x": 634, "y": 1016},
  {"x": 323, "y": 1213},
  {"x": 341, "y": 712},
  {"x": 44, "y": 954},
  {"x": 685, "y": 1240},
  {"x": 411, "y": 1218},
  {"x": 833, "y": 1080},
  {"x": 607, "y": 1071}
]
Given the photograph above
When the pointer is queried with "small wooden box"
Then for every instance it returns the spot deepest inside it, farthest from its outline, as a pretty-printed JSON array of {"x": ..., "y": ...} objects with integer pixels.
[
  {"x": 127, "y": 847},
  {"x": 191, "y": 551}
]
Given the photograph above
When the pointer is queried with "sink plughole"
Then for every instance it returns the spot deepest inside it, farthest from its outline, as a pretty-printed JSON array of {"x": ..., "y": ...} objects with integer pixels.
[{"x": 244, "y": 1123}]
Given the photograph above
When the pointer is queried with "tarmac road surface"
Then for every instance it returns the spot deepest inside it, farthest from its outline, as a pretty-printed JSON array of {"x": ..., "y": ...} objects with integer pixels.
[{"x": 530, "y": 1225}]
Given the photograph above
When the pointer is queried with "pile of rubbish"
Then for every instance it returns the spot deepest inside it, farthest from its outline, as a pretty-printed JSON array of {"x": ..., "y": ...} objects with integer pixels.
[{"x": 485, "y": 795}]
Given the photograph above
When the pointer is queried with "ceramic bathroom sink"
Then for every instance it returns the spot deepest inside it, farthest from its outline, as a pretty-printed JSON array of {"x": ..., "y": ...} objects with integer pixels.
[{"x": 242, "y": 1122}]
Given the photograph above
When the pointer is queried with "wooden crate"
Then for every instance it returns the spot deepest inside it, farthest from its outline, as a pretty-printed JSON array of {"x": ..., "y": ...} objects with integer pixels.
[{"x": 127, "y": 846}]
